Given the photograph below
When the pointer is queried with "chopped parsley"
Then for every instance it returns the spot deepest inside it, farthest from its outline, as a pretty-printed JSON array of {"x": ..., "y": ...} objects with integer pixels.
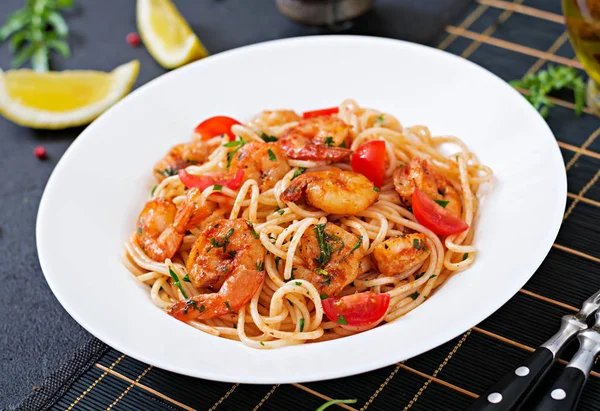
[
  {"x": 262, "y": 343},
  {"x": 322, "y": 272},
  {"x": 298, "y": 283},
  {"x": 419, "y": 275},
  {"x": 380, "y": 119},
  {"x": 167, "y": 172},
  {"x": 153, "y": 190},
  {"x": 236, "y": 143},
  {"x": 376, "y": 189},
  {"x": 329, "y": 141},
  {"x": 327, "y": 281},
  {"x": 291, "y": 303},
  {"x": 186, "y": 279},
  {"x": 465, "y": 256},
  {"x": 323, "y": 296},
  {"x": 324, "y": 247},
  {"x": 267, "y": 138},
  {"x": 280, "y": 212},
  {"x": 301, "y": 324},
  {"x": 433, "y": 276},
  {"x": 341, "y": 320},
  {"x": 298, "y": 172},
  {"x": 177, "y": 283},
  {"x": 227, "y": 305},
  {"x": 224, "y": 243},
  {"x": 272, "y": 155},
  {"x": 140, "y": 230},
  {"x": 343, "y": 145},
  {"x": 254, "y": 233},
  {"x": 217, "y": 187},
  {"x": 425, "y": 297},
  {"x": 260, "y": 266},
  {"x": 358, "y": 243},
  {"x": 419, "y": 244},
  {"x": 277, "y": 260},
  {"x": 191, "y": 303},
  {"x": 443, "y": 203},
  {"x": 414, "y": 295}
]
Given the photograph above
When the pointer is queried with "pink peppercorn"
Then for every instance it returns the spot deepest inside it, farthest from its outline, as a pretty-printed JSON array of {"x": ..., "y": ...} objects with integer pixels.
[
  {"x": 133, "y": 39},
  {"x": 40, "y": 152}
]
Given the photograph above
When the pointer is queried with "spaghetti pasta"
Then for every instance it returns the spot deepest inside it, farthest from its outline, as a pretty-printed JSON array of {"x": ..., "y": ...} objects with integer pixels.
[{"x": 245, "y": 242}]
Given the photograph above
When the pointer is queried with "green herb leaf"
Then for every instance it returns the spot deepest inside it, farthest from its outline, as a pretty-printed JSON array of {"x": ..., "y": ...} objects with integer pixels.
[
  {"x": 277, "y": 260},
  {"x": 227, "y": 305},
  {"x": 465, "y": 256},
  {"x": 272, "y": 155},
  {"x": 64, "y": 3},
  {"x": 260, "y": 266},
  {"x": 280, "y": 212},
  {"x": 322, "y": 272},
  {"x": 343, "y": 145},
  {"x": 24, "y": 54},
  {"x": 176, "y": 282},
  {"x": 356, "y": 246},
  {"x": 323, "y": 296},
  {"x": 443, "y": 203},
  {"x": 186, "y": 279},
  {"x": 419, "y": 276},
  {"x": 329, "y": 141},
  {"x": 324, "y": 247},
  {"x": 291, "y": 303},
  {"x": 262, "y": 343},
  {"x": 15, "y": 22},
  {"x": 380, "y": 119},
  {"x": 417, "y": 243},
  {"x": 414, "y": 295},
  {"x": 333, "y": 402},
  {"x": 153, "y": 190},
  {"x": 217, "y": 187},
  {"x": 298, "y": 172},
  {"x": 267, "y": 138},
  {"x": 376, "y": 189},
  {"x": 252, "y": 230},
  {"x": 341, "y": 320},
  {"x": 298, "y": 283},
  {"x": 59, "y": 24},
  {"x": 433, "y": 276},
  {"x": 327, "y": 281},
  {"x": 301, "y": 324},
  {"x": 235, "y": 143}
]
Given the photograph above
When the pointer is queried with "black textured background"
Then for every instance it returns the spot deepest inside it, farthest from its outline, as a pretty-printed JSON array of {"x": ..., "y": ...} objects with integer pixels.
[{"x": 36, "y": 334}]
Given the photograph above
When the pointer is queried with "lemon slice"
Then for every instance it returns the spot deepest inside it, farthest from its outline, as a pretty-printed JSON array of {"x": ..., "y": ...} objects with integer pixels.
[
  {"x": 166, "y": 34},
  {"x": 56, "y": 100}
]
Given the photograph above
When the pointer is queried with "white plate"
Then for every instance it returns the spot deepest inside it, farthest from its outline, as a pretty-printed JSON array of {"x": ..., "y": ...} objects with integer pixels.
[{"x": 93, "y": 197}]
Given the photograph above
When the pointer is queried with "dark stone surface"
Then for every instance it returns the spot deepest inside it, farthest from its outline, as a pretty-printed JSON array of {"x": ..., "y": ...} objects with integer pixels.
[{"x": 36, "y": 334}]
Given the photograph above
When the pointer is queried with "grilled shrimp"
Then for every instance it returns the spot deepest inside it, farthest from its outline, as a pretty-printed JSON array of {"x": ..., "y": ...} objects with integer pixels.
[
  {"x": 161, "y": 226},
  {"x": 400, "y": 254},
  {"x": 334, "y": 191},
  {"x": 223, "y": 249},
  {"x": 332, "y": 255},
  {"x": 264, "y": 162},
  {"x": 183, "y": 155},
  {"x": 236, "y": 291},
  {"x": 274, "y": 118},
  {"x": 318, "y": 138},
  {"x": 418, "y": 174}
]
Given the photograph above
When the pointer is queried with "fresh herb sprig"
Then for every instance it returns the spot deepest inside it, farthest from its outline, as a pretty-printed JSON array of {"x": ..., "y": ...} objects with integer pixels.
[
  {"x": 35, "y": 31},
  {"x": 554, "y": 78}
]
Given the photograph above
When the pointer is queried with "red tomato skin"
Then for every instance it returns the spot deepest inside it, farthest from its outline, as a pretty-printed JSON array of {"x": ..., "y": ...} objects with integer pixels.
[
  {"x": 190, "y": 180},
  {"x": 236, "y": 181},
  {"x": 357, "y": 309},
  {"x": 216, "y": 126},
  {"x": 321, "y": 112},
  {"x": 369, "y": 160},
  {"x": 434, "y": 216}
]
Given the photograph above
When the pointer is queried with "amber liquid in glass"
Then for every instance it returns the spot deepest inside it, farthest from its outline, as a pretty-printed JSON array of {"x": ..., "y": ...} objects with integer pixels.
[{"x": 583, "y": 23}]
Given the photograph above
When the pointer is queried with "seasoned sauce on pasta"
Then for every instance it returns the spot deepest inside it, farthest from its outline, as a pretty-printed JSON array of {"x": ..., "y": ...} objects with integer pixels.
[{"x": 303, "y": 228}]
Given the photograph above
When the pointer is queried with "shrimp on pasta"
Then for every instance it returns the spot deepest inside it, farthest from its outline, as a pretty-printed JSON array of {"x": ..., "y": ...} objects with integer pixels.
[{"x": 299, "y": 228}]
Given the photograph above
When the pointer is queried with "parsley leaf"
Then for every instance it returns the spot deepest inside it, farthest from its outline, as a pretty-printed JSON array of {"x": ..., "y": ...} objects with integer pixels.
[
  {"x": 234, "y": 143},
  {"x": 358, "y": 243},
  {"x": 554, "y": 78},
  {"x": 323, "y": 296},
  {"x": 298, "y": 283},
  {"x": 267, "y": 138},
  {"x": 272, "y": 155},
  {"x": 380, "y": 119},
  {"x": 376, "y": 189},
  {"x": 298, "y": 172},
  {"x": 254, "y": 233},
  {"x": 324, "y": 247},
  {"x": 414, "y": 295},
  {"x": 280, "y": 212},
  {"x": 227, "y": 305},
  {"x": 260, "y": 266},
  {"x": 217, "y": 187},
  {"x": 443, "y": 203},
  {"x": 186, "y": 279},
  {"x": 465, "y": 256},
  {"x": 341, "y": 320},
  {"x": 329, "y": 141},
  {"x": 177, "y": 283},
  {"x": 301, "y": 324}
]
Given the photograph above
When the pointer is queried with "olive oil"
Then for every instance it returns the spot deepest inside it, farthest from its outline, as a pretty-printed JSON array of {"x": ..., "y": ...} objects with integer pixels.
[{"x": 583, "y": 24}]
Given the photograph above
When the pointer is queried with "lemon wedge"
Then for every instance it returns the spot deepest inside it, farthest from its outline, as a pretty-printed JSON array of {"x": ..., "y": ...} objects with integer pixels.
[
  {"x": 56, "y": 100},
  {"x": 166, "y": 34}
]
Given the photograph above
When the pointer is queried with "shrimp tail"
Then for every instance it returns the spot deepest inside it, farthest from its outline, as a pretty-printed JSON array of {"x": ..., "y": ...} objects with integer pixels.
[{"x": 296, "y": 189}]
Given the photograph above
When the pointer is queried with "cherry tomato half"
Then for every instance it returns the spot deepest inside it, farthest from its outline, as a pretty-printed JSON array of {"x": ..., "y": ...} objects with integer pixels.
[
  {"x": 203, "y": 182},
  {"x": 369, "y": 160},
  {"x": 357, "y": 309},
  {"x": 434, "y": 216},
  {"x": 321, "y": 112},
  {"x": 216, "y": 126}
]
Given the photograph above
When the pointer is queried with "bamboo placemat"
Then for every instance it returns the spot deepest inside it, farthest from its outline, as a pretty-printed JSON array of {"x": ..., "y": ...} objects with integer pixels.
[{"x": 509, "y": 39}]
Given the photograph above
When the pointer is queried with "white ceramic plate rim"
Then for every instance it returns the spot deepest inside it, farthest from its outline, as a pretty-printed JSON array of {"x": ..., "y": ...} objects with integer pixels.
[{"x": 486, "y": 305}]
